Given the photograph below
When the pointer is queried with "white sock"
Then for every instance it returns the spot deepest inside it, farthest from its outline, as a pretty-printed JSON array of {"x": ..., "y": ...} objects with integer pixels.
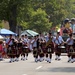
[{"x": 49, "y": 59}]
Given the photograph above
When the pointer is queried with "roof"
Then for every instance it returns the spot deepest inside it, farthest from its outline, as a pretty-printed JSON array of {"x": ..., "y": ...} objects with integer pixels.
[{"x": 29, "y": 33}]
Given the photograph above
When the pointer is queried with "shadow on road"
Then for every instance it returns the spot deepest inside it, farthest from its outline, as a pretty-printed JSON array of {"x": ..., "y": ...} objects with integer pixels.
[{"x": 59, "y": 69}]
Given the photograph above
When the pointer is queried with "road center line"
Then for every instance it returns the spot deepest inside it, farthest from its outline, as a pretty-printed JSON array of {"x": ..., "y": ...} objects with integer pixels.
[
  {"x": 24, "y": 74},
  {"x": 38, "y": 67}
]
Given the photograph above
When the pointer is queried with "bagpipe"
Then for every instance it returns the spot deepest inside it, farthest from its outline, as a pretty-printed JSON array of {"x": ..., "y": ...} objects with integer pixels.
[
  {"x": 12, "y": 49},
  {"x": 49, "y": 46}
]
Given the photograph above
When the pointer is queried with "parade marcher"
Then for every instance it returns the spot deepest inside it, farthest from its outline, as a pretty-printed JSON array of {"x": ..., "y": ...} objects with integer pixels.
[
  {"x": 35, "y": 49},
  {"x": 73, "y": 53},
  {"x": 30, "y": 44},
  {"x": 25, "y": 50},
  {"x": 58, "y": 42},
  {"x": 49, "y": 48},
  {"x": 17, "y": 47},
  {"x": 10, "y": 48},
  {"x": 70, "y": 48},
  {"x": 22, "y": 50},
  {"x": 41, "y": 48}
]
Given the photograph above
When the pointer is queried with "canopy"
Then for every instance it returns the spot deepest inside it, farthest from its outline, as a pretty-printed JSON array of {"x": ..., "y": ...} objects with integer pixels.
[
  {"x": 1, "y": 37},
  {"x": 6, "y": 32},
  {"x": 29, "y": 33}
]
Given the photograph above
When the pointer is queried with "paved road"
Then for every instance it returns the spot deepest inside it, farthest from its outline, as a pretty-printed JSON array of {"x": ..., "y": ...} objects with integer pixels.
[{"x": 29, "y": 67}]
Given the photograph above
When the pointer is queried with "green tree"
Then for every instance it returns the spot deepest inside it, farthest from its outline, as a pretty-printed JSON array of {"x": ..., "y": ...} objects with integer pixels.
[
  {"x": 10, "y": 10},
  {"x": 39, "y": 21}
]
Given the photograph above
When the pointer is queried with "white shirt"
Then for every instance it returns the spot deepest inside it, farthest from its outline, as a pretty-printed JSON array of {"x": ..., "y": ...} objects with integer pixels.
[
  {"x": 34, "y": 43},
  {"x": 70, "y": 42},
  {"x": 59, "y": 40},
  {"x": 9, "y": 43}
]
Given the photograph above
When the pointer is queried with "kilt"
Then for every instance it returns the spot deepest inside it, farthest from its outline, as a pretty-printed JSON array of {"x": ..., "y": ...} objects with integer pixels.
[
  {"x": 35, "y": 51},
  {"x": 57, "y": 49},
  {"x": 43, "y": 47},
  {"x": 50, "y": 48},
  {"x": 19, "y": 48},
  {"x": 41, "y": 51},
  {"x": 11, "y": 51},
  {"x": 70, "y": 50}
]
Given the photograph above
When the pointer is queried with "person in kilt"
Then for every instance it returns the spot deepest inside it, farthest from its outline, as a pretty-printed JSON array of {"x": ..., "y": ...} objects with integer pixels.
[
  {"x": 35, "y": 49},
  {"x": 49, "y": 48},
  {"x": 58, "y": 42},
  {"x": 70, "y": 48},
  {"x": 25, "y": 48},
  {"x": 10, "y": 48}
]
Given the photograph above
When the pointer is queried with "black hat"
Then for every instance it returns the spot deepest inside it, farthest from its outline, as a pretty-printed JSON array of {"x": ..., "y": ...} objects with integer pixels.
[
  {"x": 70, "y": 35},
  {"x": 73, "y": 19},
  {"x": 58, "y": 32},
  {"x": 66, "y": 20},
  {"x": 50, "y": 33}
]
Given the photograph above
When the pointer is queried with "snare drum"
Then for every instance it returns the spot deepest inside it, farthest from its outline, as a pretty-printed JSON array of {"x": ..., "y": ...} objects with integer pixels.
[{"x": 61, "y": 47}]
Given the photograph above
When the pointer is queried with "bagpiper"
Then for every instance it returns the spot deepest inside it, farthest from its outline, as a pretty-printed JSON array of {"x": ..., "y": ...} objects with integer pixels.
[
  {"x": 49, "y": 48},
  {"x": 41, "y": 46},
  {"x": 18, "y": 45},
  {"x": 70, "y": 47},
  {"x": 10, "y": 48},
  {"x": 58, "y": 42},
  {"x": 25, "y": 48},
  {"x": 35, "y": 49}
]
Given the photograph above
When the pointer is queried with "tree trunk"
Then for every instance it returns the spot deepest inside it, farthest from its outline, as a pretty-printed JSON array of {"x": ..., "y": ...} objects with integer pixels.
[
  {"x": 13, "y": 18},
  {"x": 12, "y": 25}
]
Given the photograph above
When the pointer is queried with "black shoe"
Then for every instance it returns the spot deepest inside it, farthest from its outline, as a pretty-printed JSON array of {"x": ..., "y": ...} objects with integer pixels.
[
  {"x": 68, "y": 60},
  {"x": 59, "y": 59},
  {"x": 55, "y": 58},
  {"x": 49, "y": 62},
  {"x": 10, "y": 61}
]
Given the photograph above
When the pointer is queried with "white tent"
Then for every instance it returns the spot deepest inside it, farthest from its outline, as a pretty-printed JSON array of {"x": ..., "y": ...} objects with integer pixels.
[
  {"x": 29, "y": 33},
  {"x": 6, "y": 32},
  {"x": 1, "y": 37}
]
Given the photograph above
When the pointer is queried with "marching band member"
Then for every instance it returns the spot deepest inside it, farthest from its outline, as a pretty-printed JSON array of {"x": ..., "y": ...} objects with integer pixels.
[
  {"x": 50, "y": 48},
  {"x": 17, "y": 46},
  {"x": 43, "y": 49},
  {"x": 22, "y": 52},
  {"x": 26, "y": 47},
  {"x": 10, "y": 51},
  {"x": 25, "y": 51},
  {"x": 58, "y": 41},
  {"x": 35, "y": 50},
  {"x": 30, "y": 44},
  {"x": 69, "y": 46},
  {"x": 41, "y": 42}
]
